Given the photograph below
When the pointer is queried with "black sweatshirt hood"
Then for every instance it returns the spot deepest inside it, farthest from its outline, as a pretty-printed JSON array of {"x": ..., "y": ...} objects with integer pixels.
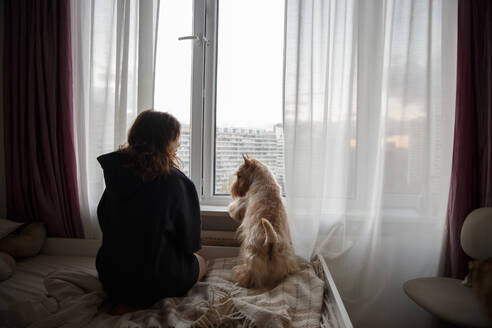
[{"x": 118, "y": 177}]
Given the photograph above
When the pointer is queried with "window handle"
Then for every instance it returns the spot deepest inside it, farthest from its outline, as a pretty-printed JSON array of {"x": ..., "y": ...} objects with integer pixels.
[{"x": 200, "y": 38}]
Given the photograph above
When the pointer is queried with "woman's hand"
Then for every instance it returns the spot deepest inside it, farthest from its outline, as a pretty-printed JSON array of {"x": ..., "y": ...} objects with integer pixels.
[{"x": 202, "y": 264}]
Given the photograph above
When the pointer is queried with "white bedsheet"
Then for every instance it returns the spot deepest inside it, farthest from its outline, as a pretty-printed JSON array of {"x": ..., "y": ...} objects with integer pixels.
[{"x": 28, "y": 278}]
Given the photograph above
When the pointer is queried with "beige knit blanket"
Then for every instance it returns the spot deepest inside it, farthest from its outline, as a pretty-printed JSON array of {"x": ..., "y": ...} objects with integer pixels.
[{"x": 74, "y": 299}]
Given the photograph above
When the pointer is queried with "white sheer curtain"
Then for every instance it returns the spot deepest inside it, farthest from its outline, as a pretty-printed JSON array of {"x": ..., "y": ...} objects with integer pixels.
[
  {"x": 113, "y": 52},
  {"x": 368, "y": 119}
]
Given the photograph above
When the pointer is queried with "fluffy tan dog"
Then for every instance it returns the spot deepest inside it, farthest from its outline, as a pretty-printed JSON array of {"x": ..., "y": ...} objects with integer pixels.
[
  {"x": 480, "y": 279},
  {"x": 266, "y": 256}
]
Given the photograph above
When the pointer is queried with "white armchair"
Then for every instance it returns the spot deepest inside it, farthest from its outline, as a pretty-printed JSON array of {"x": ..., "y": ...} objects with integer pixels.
[{"x": 448, "y": 299}]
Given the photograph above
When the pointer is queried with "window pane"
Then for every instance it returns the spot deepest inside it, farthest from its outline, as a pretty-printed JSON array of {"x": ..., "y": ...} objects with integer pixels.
[
  {"x": 173, "y": 68},
  {"x": 249, "y": 87}
]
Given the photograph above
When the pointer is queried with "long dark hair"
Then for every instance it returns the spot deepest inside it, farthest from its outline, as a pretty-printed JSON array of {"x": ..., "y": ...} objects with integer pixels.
[{"x": 148, "y": 144}]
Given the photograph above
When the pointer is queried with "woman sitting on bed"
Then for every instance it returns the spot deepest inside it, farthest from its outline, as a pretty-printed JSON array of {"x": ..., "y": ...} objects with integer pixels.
[{"x": 149, "y": 216}]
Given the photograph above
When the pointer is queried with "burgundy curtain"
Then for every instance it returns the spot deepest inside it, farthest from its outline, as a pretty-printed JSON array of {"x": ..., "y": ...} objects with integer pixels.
[
  {"x": 471, "y": 177},
  {"x": 40, "y": 163}
]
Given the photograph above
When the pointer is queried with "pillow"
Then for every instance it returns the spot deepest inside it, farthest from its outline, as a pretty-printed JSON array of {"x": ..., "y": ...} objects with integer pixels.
[
  {"x": 7, "y": 226},
  {"x": 27, "y": 243},
  {"x": 7, "y": 266}
]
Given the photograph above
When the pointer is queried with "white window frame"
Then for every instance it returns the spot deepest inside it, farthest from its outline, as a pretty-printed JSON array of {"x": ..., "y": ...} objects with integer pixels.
[
  {"x": 204, "y": 59},
  {"x": 203, "y": 105},
  {"x": 209, "y": 126},
  {"x": 197, "y": 69}
]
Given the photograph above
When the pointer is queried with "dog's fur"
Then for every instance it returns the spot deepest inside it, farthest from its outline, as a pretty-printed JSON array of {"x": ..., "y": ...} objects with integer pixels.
[
  {"x": 266, "y": 256},
  {"x": 480, "y": 279}
]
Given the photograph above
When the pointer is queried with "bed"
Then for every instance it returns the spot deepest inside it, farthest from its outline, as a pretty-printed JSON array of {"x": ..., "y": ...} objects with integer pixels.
[{"x": 60, "y": 286}]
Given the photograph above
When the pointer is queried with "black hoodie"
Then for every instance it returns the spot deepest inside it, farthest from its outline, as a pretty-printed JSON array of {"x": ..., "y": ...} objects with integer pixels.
[{"x": 150, "y": 231}]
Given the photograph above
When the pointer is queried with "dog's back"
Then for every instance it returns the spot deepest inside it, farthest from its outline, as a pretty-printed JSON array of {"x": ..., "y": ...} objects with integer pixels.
[{"x": 266, "y": 255}]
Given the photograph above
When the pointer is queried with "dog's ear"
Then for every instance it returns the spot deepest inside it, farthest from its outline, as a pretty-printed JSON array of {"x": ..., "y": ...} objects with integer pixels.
[
  {"x": 246, "y": 159},
  {"x": 239, "y": 187}
]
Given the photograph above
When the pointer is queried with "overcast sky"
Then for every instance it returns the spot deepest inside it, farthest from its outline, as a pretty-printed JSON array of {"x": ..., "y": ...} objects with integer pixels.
[{"x": 250, "y": 61}]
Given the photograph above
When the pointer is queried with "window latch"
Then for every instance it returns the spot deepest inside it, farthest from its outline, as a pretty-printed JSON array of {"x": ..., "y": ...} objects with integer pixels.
[{"x": 200, "y": 38}]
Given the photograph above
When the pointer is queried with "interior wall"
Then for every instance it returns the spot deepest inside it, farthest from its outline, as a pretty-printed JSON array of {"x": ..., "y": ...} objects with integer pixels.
[{"x": 3, "y": 194}]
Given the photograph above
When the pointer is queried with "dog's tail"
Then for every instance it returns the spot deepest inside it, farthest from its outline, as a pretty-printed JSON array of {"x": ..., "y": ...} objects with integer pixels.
[{"x": 270, "y": 234}]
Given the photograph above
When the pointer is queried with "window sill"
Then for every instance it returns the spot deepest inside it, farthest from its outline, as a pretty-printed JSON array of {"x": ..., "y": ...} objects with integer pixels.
[
  {"x": 213, "y": 210},
  {"x": 216, "y": 218}
]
